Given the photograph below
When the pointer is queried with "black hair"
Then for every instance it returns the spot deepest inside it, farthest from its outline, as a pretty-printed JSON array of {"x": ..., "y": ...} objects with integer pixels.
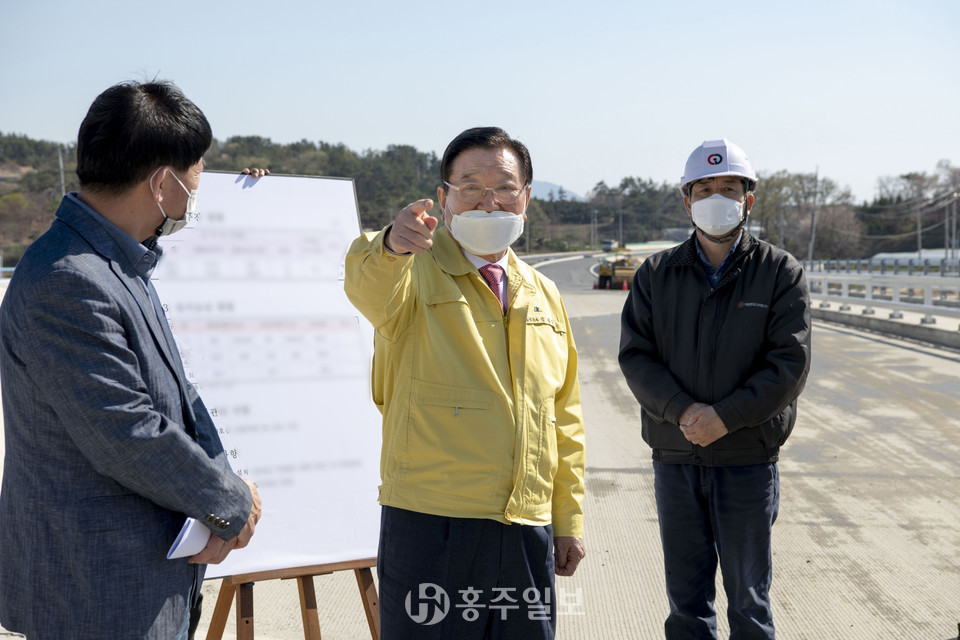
[
  {"x": 486, "y": 138},
  {"x": 133, "y": 128}
]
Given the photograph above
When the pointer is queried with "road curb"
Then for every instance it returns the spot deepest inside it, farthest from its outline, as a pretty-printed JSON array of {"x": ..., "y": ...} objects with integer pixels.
[{"x": 941, "y": 335}]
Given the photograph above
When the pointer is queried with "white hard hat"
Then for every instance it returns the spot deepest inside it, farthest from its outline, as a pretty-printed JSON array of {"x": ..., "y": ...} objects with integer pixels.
[{"x": 718, "y": 158}]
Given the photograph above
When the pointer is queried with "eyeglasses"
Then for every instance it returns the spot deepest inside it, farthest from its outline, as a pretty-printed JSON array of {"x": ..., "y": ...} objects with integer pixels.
[{"x": 472, "y": 193}]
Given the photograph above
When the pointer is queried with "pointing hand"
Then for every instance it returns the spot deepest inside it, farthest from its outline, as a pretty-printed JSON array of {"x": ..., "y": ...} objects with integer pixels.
[{"x": 412, "y": 231}]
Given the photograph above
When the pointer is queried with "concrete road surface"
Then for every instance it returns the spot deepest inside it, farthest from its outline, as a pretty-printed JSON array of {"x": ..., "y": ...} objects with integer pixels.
[{"x": 867, "y": 545}]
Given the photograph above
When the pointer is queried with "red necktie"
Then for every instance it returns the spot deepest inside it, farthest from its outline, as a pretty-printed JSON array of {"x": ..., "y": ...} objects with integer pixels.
[{"x": 493, "y": 273}]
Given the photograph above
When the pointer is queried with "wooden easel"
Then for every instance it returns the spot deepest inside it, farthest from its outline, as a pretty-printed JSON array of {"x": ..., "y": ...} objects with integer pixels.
[{"x": 241, "y": 588}]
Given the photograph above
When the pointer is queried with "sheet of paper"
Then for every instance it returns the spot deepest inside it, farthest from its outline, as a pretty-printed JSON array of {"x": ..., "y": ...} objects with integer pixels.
[
  {"x": 253, "y": 290},
  {"x": 192, "y": 539}
]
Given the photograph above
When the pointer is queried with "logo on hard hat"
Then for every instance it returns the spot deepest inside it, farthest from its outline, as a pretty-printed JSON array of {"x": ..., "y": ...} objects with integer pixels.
[{"x": 714, "y": 159}]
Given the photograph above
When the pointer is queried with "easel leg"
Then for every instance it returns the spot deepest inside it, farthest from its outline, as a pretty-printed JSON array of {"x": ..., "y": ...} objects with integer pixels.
[
  {"x": 221, "y": 611},
  {"x": 371, "y": 603},
  {"x": 308, "y": 608},
  {"x": 245, "y": 611}
]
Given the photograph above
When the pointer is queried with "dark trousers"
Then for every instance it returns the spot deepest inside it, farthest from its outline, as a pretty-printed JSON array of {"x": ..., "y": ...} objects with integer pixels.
[
  {"x": 195, "y": 612},
  {"x": 464, "y": 578},
  {"x": 717, "y": 513}
]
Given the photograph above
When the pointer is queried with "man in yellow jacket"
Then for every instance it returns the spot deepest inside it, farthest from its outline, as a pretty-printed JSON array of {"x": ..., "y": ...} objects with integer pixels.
[{"x": 475, "y": 373}]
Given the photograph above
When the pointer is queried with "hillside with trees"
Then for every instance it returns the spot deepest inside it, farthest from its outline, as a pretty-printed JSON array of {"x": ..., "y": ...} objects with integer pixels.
[{"x": 635, "y": 210}]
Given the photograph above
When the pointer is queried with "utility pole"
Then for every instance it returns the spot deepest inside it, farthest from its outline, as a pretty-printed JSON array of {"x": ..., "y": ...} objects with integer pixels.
[
  {"x": 782, "y": 224},
  {"x": 956, "y": 227},
  {"x": 527, "y": 231},
  {"x": 946, "y": 230},
  {"x": 954, "y": 239},
  {"x": 593, "y": 230},
  {"x": 63, "y": 185},
  {"x": 621, "y": 228},
  {"x": 951, "y": 230},
  {"x": 919, "y": 237},
  {"x": 813, "y": 214}
]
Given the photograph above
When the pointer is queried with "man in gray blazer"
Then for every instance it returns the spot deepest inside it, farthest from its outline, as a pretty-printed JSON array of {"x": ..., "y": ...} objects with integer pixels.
[{"x": 108, "y": 446}]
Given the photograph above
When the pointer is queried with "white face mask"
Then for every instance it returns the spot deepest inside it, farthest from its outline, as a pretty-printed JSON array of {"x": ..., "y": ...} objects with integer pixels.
[
  {"x": 717, "y": 215},
  {"x": 485, "y": 234},
  {"x": 170, "y": 225}
]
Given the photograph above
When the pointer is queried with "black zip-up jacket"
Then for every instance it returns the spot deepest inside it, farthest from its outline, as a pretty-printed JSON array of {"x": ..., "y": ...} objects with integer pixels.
[{"x": 743, "y": 347}]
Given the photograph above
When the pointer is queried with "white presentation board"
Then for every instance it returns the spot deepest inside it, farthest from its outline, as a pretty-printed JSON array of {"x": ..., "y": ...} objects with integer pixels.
[{"x": 253, "y": 289}]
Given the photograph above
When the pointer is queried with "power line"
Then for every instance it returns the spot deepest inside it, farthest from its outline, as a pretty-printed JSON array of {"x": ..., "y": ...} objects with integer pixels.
[
  {"x": 934, "y": 203},
  {"x": 892, "y": 236}
]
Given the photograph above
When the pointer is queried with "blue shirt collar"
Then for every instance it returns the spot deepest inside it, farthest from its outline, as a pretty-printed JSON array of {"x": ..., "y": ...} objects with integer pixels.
[
  {"x": 143, "y": 260},
  {"x": 716, "y": 274}
]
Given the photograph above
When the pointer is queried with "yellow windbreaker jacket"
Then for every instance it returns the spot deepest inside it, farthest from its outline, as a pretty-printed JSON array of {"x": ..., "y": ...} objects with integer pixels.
[{"x": 481, "y": 411}]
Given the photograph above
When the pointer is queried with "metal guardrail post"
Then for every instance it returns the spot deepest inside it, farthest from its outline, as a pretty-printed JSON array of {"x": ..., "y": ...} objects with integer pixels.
[
  {"x": 896, "y": 314},
  {"x": 928, "y": 302}
]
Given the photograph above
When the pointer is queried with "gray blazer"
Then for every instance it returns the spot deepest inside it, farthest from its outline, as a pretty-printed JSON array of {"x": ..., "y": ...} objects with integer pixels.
[{"x": 108, "y": 447}]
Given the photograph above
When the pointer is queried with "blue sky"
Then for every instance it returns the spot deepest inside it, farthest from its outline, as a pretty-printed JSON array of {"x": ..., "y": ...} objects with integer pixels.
[{"x": 597, "y": 91}]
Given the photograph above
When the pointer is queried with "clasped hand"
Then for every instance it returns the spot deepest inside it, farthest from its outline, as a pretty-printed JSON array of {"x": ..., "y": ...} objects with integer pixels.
[{"x": 701, "y": 425}]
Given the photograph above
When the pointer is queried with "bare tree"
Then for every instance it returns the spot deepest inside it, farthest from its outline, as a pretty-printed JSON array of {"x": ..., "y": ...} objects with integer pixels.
[
  {"x": 908, "y": 187},
  {"x": 786, "y": 203},
  {"x": 839, "y": 233},
  {"x": 770, "y": 206}
]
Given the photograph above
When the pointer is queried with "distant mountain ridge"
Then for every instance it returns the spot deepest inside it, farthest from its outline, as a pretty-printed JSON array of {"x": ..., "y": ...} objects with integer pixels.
[{"x": 542, "y": 191}]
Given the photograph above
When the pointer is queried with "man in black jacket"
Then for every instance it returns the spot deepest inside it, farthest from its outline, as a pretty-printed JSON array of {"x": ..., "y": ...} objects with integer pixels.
[{"x": 715, "y": 345}]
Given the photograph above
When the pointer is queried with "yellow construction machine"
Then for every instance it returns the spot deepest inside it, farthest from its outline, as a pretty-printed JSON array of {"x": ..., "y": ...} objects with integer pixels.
[{"x": 615, "y": 270}]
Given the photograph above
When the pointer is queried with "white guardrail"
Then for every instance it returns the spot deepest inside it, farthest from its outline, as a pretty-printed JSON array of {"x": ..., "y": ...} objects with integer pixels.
[
  {"x": 930, "y": 295},
  {"x": 887, "y": 266}
]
